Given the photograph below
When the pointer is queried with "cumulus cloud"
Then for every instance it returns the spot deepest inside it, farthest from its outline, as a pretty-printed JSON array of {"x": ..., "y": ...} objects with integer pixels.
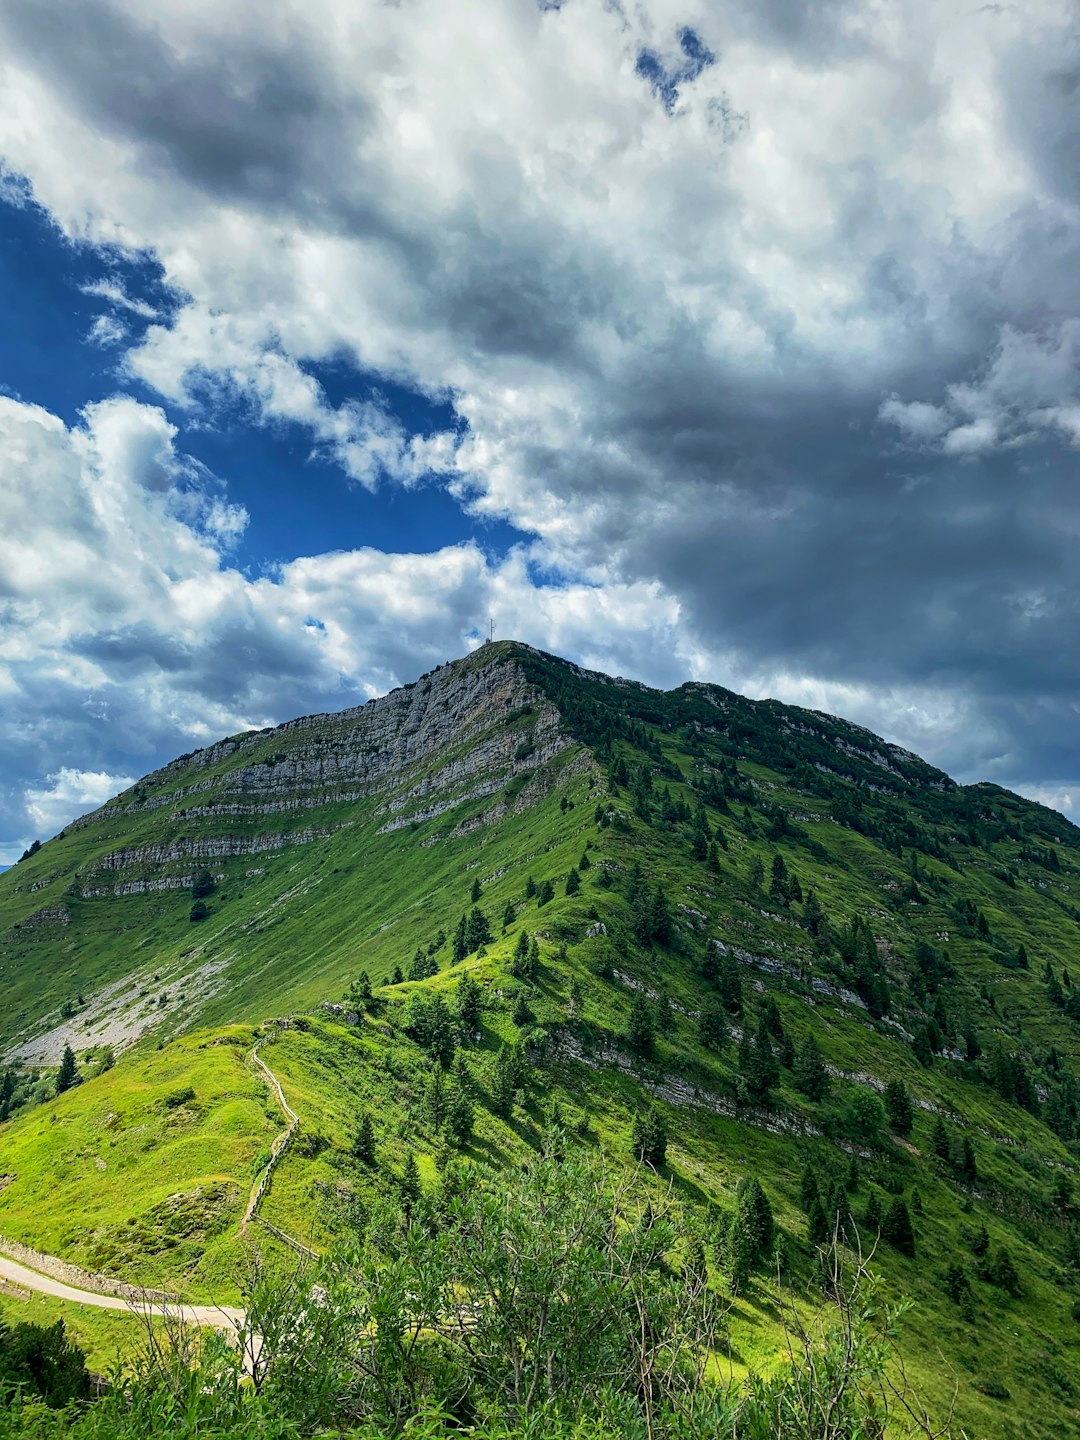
[
  {"x": 761, "y": 318},
  {"x": 69, "y": 792}
]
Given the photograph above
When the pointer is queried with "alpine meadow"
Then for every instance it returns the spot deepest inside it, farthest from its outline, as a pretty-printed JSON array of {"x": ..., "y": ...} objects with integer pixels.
[{"x": 531, "y": 1052}]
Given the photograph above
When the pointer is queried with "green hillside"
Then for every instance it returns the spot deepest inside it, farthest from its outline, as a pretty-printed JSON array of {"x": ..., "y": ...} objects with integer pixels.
[{"x": 733, "y": 922}]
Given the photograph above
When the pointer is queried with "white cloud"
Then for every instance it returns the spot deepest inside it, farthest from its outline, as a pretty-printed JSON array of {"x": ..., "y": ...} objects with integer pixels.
[
  {"x": 68, "y": 793},
  {"x": 666, "y": 332}
]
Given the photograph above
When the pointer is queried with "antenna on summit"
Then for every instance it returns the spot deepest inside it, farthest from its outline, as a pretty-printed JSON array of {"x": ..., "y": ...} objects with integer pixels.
[{"x": 491, "y": 631}]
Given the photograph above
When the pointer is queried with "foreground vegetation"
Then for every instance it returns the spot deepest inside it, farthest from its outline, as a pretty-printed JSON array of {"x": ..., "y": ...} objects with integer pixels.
[{"x": 560, "y": 1301}]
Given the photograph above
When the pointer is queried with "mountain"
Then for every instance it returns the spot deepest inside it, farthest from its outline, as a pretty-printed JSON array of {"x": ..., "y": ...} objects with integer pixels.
[{"x": 750, "y": 917}]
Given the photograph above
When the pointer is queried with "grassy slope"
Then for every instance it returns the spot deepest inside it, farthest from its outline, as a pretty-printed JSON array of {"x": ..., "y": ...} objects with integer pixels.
[{"x": 358, "y": 900}]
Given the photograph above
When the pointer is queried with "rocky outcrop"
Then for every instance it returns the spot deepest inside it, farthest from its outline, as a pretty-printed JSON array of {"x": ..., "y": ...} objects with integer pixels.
[{"x": 46, "y": 916}]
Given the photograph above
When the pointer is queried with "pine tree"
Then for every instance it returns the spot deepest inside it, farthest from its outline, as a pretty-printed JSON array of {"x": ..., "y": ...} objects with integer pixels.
[
  {"x": 640, "y": 1035},
  {"x": 648, "y": 1138},
  {"x": 521, "y": 1014},
  {"x": 463, "y": 1077},
  {"x": 1002, "y": 1272},
  {"x": 896, "y": 1228},
  {"x": 440, "y": 1032},
  {"x": 771, "y": 1017},
  {"x": 838, "y": 1211},
  {"x": 808, "y": 1189},
  {"x": 968, "y": 1167},
  {"x": 755, "y": 1213},
  {"x": 460, "y": 1115},
  {"x": 467, "y": 1003},
  {"x": 519, "y": 961},
  {"x": 509, "y": 915},
  {"x": 530, "y": 888},
  {"x": 817, "y": 1223},
  {"x": 810, "y": 1074},
  {"x": 939, "y": 1140},
  {"x": 477, "y": 931},
  {"x": 584, "y": 863},
  {"x": 980, "y": 1241},
  {"x": 898, "y": 1107},
  {"x": 503, "y": 1083},
  {"x": 461, "y": 948},
  {"x": 409, "y": 1184},
  {"x": 779, "y": 890},
  {"x": 67, "y": 1075},
  {"x": 398, "y": 977},
  {"x": 547, "y": 893},
  {"x": 364, "y": 1142},
  {"x": 873, "y": 1219},
  {"x": 433, "y": 1106},
  {"x": 573, "y": 883},
  {"x": 712, "y": 1026},
  {"x": 475, "y": 892}
]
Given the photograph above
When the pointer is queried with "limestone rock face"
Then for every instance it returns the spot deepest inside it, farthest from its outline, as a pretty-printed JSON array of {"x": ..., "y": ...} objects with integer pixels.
[{"x": 461, "y": 733}]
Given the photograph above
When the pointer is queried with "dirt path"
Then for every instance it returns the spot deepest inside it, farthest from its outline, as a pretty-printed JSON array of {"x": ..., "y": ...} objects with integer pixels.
[
  {"x": 221, "y": 1317},
  {"x": 277, "y": 1149}
]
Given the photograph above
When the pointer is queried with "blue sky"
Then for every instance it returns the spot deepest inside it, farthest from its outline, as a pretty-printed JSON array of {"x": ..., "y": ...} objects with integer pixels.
[
  {"x": 732, "y": 341},
  {"x": 297, "y": 503}
]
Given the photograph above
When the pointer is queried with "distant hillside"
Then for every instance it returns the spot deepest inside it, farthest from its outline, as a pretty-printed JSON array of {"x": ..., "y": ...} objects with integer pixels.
[{"x": 818, "y": 958}]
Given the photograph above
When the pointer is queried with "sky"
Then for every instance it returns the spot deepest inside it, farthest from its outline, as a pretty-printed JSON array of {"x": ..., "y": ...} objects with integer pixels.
[{"x": 732, "y": 340}]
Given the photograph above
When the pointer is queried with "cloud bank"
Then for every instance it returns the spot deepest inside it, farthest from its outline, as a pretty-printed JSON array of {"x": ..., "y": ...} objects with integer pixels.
[{"x": 761, "y": 319}]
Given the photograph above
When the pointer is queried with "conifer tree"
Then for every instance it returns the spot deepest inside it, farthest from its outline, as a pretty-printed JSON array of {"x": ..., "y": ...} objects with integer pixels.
[
  {"x": 712, "y": 1026},
  {"x": 573, "y": 882},
  {"x": 874, "y": 1217},
  {"x": 808, "y": 1188},
  {"x": 810, "y": 1074},
  {"x": 364, "y": 1142},
  {"x": 509, "y": 915},
  {"x": 640, "y": 1034},
  {"x": 968, "y": 1167},
  {"x": 463, "y": 1077},
  {"x": 939, "y": 1139},
  {"x": 460, "y": 1115},
  {"x": 896, "y": 1227},
  {"x": 67, "y": 1075},
  {"x": 530, "y": 888},
  {"x": 521, "y": 1014},
  {"x": 980, "y": 1241},
  {"x": 475, "y": 892},
  {"x": 648, "y": 1138},
  {"x": 467, "y": 1003},
  {"x": 817, "y": 1223},
  {"x": 519, "y": 961},
  {"x": 547, "y": 892},
  {"x": 433, "y": 1106},
  {"x": 1001, "y": 1271},
  {"x": 477, "y": 931},
  {"x": 898, "y": 1107},
  {"x": 461, "y": 948},
  {"x": 503, "y": 1084},
  {"x": 440, "y": 1031},
  {"x": 584, "y": 863},
  {"x": 398, "y": 977},
  {"x": 729, "y": 985},
  {"x": 409, "y": 1184}
]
